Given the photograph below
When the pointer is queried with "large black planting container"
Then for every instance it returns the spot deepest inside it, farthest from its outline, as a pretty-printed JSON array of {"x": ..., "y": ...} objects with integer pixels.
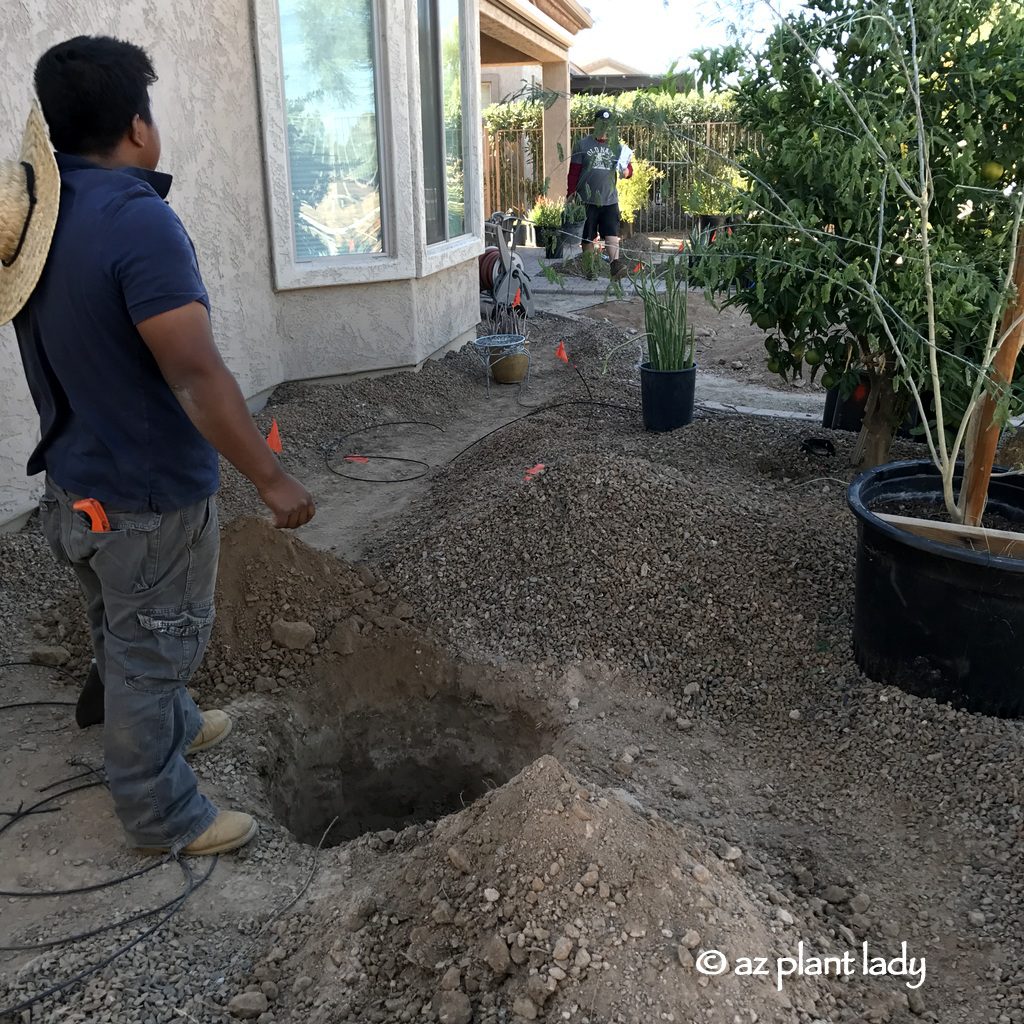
[
  {"x": 937, "y": 620},
  {"x": 666, "y": 397}
]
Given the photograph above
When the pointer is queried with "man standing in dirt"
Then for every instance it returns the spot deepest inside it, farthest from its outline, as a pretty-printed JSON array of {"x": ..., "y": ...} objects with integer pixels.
[
  {"x": 593, "y": 172},
  {"x": 134, "y": 404}
]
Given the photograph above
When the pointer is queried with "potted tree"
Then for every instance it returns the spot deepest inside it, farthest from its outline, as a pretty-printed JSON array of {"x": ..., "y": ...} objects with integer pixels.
[
  {"x": 546, "y": 217},
  {"x": 668, "y": 375},
  {"x": 883, "y": 217}
]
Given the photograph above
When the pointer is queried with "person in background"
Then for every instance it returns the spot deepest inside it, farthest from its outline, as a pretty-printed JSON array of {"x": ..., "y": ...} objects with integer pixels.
[
  {"x": 594, "y": 170},
  {"x": 134, "y": 402}
]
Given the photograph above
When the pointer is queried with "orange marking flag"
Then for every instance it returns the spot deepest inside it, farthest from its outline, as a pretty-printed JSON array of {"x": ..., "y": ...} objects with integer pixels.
[
  {"x": 274, "y": 438},
  {"x": 361, "y": 459},
  {"x": 561, "y": 353},
  {"x": 533, "y": 472},
  {"x": 517, "y": 301}
]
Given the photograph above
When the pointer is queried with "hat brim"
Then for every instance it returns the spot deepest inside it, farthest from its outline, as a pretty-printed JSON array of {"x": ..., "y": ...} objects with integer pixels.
[{"x": 18, "y": 281}]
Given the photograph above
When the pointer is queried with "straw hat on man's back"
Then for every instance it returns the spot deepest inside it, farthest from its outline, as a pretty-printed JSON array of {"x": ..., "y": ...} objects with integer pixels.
[{"x": 29, "y": 199}]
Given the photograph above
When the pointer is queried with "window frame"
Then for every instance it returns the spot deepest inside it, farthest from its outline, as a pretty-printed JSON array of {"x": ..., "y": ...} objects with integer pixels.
[
  {"x": 437, "y": 256},
  {"x": 399, "y": 259}
]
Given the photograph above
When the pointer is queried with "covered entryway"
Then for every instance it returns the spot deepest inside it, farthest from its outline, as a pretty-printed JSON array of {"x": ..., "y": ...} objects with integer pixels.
[{"x": 518, "y": 33}]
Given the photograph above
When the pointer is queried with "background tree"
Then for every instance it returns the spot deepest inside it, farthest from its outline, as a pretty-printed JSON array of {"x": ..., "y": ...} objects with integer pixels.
[{"x": 877, "y": 214}]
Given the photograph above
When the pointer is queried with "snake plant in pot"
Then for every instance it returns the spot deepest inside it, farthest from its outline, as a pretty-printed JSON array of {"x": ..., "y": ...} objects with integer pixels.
[{"x": 668, "y": 375}]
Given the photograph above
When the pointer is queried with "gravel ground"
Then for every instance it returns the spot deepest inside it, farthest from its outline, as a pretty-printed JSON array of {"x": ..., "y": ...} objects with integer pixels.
[{"x": 677, "y": 609}]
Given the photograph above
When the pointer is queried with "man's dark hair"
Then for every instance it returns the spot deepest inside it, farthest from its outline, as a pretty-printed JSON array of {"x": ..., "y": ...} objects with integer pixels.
[{"x": 90, "y": 89}]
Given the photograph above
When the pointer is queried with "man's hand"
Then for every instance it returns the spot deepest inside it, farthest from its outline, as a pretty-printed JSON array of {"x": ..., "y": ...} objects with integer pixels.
[{"x": 290, "y": 502}]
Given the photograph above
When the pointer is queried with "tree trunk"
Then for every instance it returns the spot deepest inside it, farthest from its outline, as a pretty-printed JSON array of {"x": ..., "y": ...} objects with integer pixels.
[
  {"x": 883, "y": 414},
  {"x": 983, "y": 433}
]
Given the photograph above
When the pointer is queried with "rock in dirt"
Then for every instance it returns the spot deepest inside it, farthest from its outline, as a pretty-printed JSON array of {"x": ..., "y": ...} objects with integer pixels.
[
  {"x": 360, "y": 912},
  {"x": 50, "y": 656},
  {"x": 835, "y": 894},
  {"x": 343, "y": 638},
  {"x": 454, "y": 1008},
  {"x": 295, "y": 636},
  {"x": 525, "y": 1007},
  {"x": 459, "y": 860},
  {"x": 860, "y": 903},
  {"x": 497, "y": 955},
  {"x": 248, "y": 1005}
]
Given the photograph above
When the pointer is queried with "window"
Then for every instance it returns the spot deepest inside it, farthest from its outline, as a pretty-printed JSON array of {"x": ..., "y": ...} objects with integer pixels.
[
  {"x": 440, "y": 51},
  {"x": 329, "y": 66},
  {"x": 485, "y": 94}
]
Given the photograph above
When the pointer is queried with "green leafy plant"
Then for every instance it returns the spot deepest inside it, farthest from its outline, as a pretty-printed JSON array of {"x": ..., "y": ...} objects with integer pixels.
[
  {"x": 525, "y": 109},
  {"x": 671, "y": 342},
  {"x": 547, "y": 213},
  {"x": 881, "y": 215},
  {"x": 635, "y": 192},
  {"x": 575, "y": 211}
]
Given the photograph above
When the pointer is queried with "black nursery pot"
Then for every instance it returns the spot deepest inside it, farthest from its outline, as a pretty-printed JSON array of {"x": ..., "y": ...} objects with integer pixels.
[
  {"x": 936, "y": 620},
  {"x": 848, "y": 413},
  {"x": 666, "y": 397},
  {"x": 551, "y": 240}
]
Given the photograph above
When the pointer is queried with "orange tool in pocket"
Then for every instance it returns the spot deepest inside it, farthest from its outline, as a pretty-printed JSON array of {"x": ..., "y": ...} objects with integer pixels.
[{"x": 98, "y": 521}]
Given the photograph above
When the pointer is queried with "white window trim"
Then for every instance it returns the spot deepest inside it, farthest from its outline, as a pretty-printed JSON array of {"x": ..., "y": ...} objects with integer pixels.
[
  {"x": 433, "y": 258},
  {"x": 399, "y": 262}
]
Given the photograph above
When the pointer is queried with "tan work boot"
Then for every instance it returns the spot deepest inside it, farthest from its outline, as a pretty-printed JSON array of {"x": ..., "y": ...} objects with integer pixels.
[
  {"x": 229, "y": 831},
  {"x": 619, "y": 269},
  {"x": 216, "y": 726}
]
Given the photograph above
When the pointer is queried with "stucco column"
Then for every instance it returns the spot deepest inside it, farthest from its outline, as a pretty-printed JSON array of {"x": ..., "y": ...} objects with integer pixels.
[{"x": 556, "y": 128}]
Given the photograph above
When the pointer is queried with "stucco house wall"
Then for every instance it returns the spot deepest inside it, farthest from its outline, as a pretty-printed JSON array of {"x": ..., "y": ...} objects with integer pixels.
[{"x": 221, "y": 123}]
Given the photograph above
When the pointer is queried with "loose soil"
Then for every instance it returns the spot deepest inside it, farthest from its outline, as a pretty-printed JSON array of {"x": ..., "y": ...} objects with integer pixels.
[
  {"x": 936, "y": 512},
  {"x": 537, "y": 743}
]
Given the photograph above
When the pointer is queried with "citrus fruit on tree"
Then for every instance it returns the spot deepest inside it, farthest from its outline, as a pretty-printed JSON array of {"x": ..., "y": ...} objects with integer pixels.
[{"x": 991, "y": 171}]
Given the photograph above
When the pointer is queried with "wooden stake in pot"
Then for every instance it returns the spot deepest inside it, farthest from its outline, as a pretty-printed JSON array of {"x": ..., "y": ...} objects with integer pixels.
[{"x": 983, "y": 434}]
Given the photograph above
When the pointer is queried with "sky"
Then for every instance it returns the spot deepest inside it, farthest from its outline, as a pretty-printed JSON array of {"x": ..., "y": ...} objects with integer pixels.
[{"x": 650, "y": 34}]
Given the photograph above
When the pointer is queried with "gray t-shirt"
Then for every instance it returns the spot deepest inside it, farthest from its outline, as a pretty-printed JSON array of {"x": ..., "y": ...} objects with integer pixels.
[{"x": 598, "y": 174}]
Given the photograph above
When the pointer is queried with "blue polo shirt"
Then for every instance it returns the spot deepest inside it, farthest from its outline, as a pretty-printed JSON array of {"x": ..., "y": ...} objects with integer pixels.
[{"x": 110, "y": 426}]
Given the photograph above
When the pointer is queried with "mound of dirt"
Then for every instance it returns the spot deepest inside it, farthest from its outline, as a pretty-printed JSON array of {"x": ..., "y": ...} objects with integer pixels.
[
  {"x": 641, "y": 536},
  {"x": 541, "y": 901},
  {"x": 281, "y": 604}
]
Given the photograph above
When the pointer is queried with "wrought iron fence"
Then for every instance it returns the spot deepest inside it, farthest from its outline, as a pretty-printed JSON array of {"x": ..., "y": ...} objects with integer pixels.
[{"x": 696, "y": 164}]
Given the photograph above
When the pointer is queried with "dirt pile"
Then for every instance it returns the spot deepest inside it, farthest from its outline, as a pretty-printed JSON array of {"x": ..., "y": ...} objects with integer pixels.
[
  {"x": 542, "y": 901},
  {"x": 281, "y": 605},
  {"x": 672, "y": 571}
]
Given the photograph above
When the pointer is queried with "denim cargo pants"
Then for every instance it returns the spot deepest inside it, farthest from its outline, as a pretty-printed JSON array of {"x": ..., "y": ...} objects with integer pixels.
[{"x": 149, "y": 587}]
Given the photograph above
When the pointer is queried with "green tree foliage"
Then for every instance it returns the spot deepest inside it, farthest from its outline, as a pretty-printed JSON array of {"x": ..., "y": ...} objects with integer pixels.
[
  {"x": 635, "y": 192},
  {"x": 834, "y": 228},
  {"x": 524, "y": 110},
  {"x": 311, "y": 172},
  {"x": 338, "y": 39}
]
